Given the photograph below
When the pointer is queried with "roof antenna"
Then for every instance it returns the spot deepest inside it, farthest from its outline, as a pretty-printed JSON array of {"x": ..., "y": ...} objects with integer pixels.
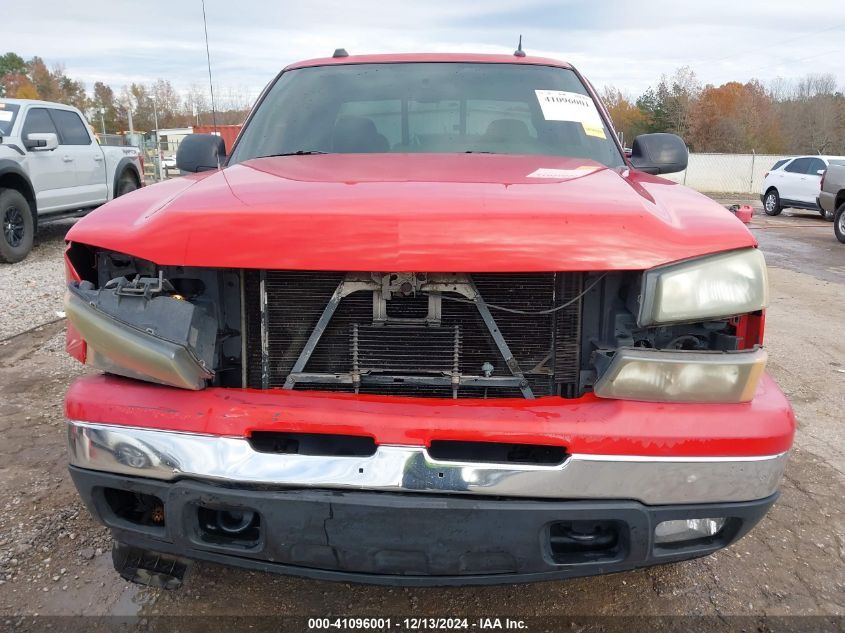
[
  {"x": 519, "y": 52},
  {"x": 340, "y": 52},
  {"x": 208, "y": 59}
]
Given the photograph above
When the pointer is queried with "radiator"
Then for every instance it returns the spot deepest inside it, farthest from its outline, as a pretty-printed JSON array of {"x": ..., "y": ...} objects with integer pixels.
[{"x": 412, "y": 346}]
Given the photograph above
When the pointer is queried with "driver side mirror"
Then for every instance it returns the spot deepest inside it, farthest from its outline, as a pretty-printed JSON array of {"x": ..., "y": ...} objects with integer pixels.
[
  {"x": 41, "y": 141},
  {"x": 200, "y": 152},
  {"x": 659, "y": 153}
]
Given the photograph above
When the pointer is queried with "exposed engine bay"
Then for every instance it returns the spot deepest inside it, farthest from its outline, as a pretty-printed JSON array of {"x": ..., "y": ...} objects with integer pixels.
[{"x": 448, "y": 335}]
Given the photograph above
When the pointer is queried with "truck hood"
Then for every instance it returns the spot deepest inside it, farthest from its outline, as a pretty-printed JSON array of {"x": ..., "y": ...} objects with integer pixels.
[{"x": 415, "y": 213}]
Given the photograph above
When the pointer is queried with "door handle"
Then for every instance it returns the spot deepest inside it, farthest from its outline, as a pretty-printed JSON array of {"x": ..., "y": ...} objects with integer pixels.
[
  {"x": 98, "y": 157},
  {"x": 67, "y": 159}
]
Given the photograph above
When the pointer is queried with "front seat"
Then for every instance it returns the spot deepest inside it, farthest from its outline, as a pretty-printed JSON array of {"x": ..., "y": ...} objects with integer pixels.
[
  {"x": 507, "y": 131},
  {"x": 357, "y": 135}
]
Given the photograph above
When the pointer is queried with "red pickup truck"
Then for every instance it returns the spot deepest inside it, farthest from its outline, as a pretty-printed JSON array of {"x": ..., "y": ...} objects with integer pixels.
[{"x": 427, "y": 324}]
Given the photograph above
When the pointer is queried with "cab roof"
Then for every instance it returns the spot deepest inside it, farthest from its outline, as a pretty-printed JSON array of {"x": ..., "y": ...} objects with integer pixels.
[
  {"x": 430, "y": 57},
  {"x": 36, "y": 102}
]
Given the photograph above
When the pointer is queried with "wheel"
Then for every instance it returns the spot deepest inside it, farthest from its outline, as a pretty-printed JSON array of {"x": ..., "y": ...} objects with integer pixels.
[
  {"x": 771, "y": 202},
  {"x": 126, "y": 184},
  {"x": 839, "y": 223},
  {"x": 18, "y": 226}
]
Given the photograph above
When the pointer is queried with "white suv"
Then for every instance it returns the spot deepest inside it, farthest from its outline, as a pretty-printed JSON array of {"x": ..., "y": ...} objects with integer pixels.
[
  {"x": 796, "y": 182},
  {"x": 51, "y": 167}
]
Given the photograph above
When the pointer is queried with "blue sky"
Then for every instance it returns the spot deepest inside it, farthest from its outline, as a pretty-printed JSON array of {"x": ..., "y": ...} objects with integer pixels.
[{"x": 622, "y": 43}]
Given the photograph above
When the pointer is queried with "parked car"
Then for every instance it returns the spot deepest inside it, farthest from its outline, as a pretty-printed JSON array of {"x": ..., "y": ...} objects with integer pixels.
[
  {"x": 168, "y": 163},
  {"x": 832, "y": 196},
  {"x": 52, "y": 167},
  {"x": 425, "y": 324},
  {"x": 794, "y": 183}
]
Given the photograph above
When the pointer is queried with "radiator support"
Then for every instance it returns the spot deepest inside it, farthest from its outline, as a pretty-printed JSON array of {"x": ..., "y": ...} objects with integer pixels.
[{"x": 381, "y": 287}]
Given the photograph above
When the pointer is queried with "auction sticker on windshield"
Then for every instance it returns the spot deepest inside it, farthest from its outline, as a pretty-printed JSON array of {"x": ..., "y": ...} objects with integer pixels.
[{"x": 559, "y": 105}]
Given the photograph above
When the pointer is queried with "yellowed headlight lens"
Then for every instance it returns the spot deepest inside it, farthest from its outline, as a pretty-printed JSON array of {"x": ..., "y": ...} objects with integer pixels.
[
  {"x": 668, "y": 376},
  {"x": 721, "y": 285}
]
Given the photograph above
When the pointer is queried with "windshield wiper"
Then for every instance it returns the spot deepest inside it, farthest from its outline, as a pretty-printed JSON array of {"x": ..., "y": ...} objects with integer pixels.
[
  {"x": 475, "y": 151},
  {"x": 299, "y": 152}
]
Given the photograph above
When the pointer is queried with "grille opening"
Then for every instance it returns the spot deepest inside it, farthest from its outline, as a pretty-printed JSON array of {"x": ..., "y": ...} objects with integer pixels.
[
  {"x": 135, "y": 507},
  {"x": 546, "y": 346},
  {"x": 312, "y": 444},
  {"x": 573, "y": 542},
  {"x": 496, "y": 452},
  {"x": 229, "y": 526}
]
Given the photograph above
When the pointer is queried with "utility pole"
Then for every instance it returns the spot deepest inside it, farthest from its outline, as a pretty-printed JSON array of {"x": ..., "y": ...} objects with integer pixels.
[
  {"x": 751, "y": 178},
  {"x": 129, "y": 112},
  {"x": 158, "y": 143},
  {"x": 103, "y": 121}
]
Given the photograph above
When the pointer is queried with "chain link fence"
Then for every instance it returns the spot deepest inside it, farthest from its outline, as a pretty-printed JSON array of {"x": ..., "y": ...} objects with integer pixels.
[
  {"x": 726, "y": 173},
  {"x": 159, "y": 162}
]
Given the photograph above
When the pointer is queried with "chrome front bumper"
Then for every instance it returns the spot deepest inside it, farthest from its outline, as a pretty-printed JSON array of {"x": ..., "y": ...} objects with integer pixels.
[{"x": 169, "y": 456}]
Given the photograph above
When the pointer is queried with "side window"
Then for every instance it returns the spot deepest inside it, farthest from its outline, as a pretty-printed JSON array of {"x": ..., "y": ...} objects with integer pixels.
[
  {"x": 815, "y": 165},
  {"x": 778, "y": 164},
  {"x": 798, "y": 166},
  {"x": 72, "y": 130},
  {"x": 38, "y": 121}
]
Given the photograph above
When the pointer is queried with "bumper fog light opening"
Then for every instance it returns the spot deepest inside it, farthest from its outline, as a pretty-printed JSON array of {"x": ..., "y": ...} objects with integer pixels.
[
  {"x": 240, "y": 527},
  {"x": 683, "y": 532},
  {"x": 136, "y": 508}
]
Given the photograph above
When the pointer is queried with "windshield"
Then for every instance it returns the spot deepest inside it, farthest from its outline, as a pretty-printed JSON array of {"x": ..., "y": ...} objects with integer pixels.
[
  {"x": 429, "y": 108},
  {"x": 8, "y": 112}
]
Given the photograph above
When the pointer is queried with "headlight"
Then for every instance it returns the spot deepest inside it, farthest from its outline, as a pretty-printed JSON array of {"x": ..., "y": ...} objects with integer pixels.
[
  {"x": 714, "y": 286},
  {"x": 664, "y": 376},
  {"x": 135, "y": 332}
]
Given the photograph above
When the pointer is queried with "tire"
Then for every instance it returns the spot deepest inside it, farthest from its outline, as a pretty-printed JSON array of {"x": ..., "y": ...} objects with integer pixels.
[
  {"x": 17, "y": 226},
  {"x": 127, "y": 184},
  {"x": 771, "y": 202},
  {"x": 839, "y": 223}
]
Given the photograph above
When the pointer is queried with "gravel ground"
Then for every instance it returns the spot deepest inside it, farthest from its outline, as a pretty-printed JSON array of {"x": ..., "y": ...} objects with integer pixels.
[
  {"x": 54, "y": 559},
  {"x": 31, "y": 291}
]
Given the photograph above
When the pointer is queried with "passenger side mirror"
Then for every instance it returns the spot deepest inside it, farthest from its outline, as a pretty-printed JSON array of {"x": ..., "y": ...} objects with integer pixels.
[
  {"x": 200, "y": 152},
  {"x": 820, "y": 172},
  {"x": 41, "y": 141},
  {"x": 659, "y": 153}
]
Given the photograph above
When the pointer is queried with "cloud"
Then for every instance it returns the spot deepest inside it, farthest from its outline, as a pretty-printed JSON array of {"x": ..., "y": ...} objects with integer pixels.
[{"x": 616, "y": 42}]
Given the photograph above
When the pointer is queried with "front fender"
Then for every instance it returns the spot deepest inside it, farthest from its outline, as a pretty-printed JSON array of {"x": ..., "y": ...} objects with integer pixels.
[{"x": 16, "y": 175}]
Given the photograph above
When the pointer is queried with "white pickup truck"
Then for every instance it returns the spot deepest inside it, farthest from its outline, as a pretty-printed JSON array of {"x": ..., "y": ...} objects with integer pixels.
[{"x": 52, "y": 167}]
